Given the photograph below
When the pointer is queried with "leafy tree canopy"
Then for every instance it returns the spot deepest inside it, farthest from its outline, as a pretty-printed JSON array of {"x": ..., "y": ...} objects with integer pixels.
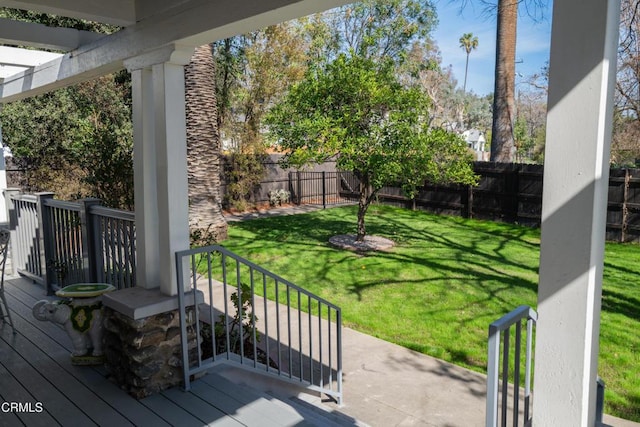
[
  {"x": 355, "y": 109},
  {"x": 76, "y": 141},
  {"x": 377, "y": 29}
]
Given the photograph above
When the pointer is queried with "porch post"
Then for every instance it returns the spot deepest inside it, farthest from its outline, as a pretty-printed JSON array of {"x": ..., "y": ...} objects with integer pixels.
[
  {"x": 579, "y": 124},
  {"x": 160, "y": 164}
]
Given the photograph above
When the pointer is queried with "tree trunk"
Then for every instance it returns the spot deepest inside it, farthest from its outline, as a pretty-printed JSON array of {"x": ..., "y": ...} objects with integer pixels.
[
  {"x": 502, "y": 142},
  {"x": 203, "y": 150},
  {"x": 466, "y": 70},
  {"x": 363, "y": 204}
]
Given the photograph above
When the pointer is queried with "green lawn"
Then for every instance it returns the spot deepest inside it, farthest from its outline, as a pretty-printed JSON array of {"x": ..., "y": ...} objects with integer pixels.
[{"x": 448, "y": 278}]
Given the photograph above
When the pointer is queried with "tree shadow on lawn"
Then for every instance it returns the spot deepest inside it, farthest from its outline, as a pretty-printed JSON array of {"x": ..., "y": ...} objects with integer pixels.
[
  {"x": 502, "y": 239},
  {"x": 316, "y": 228},
  {"x": 485, "y": 266},
  {"x": 306, "y": 228},
  {"x": 618, "y": 303}
]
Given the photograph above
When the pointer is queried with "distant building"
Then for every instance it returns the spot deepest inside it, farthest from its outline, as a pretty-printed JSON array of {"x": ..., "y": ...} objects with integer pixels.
[{"x": 476, "y": 142}]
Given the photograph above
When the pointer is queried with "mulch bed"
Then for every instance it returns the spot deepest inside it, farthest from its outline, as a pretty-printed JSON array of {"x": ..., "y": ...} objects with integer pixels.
[{"x": 370, "y": 243}]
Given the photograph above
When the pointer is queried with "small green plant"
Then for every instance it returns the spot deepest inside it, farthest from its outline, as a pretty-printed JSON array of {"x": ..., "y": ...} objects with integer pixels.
[
  {"x": 60, "y": 268},
  {"x": 241, "y": 326},
  {"x": 278, "y": 197},
  {"x": 199, "y": 237}
]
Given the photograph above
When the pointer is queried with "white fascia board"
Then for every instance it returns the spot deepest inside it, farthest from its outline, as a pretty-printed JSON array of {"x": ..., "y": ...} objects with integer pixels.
[
  {"x": 284, "y": 13},
  {"x": 15, "y": 60},
  {"x": 24, "y": 57},
  {"x": 40, "y": 36},
  {"x": 192, "y": 23},
  {"x": 114, "y": 12}
]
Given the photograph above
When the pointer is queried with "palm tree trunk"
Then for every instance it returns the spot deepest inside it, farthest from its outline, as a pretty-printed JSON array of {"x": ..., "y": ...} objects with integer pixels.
[
  {"x": 207, "y": 224},
  {"x": 502, "y": 143},
  {"x": 466, "y": 70}
]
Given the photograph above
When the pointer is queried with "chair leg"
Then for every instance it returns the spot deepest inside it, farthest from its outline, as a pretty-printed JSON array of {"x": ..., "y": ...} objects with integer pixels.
[{"x": 4, "y": 311}]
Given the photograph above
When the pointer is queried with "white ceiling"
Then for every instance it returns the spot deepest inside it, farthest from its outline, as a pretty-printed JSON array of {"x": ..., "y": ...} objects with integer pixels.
[{"x": 147, "y": 26}]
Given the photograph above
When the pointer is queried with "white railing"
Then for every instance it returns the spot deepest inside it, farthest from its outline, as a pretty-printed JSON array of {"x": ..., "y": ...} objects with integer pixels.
[
  {"x": 256, "y": 320},
  {"x": 498, "y": 379}
]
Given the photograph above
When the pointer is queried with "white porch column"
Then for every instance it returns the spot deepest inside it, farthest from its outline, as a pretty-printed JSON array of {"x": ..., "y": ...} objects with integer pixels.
[
  {"x": 160, "y": 164},
  {"x": 579, "y": 124}
]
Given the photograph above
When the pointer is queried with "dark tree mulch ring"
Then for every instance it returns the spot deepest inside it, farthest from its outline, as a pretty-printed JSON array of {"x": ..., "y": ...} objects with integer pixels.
[{"x": 370, "y": 243}]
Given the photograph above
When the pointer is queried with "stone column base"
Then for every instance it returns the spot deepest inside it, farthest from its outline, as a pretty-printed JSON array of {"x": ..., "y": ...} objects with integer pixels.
[{"x": 143, "y": 355}]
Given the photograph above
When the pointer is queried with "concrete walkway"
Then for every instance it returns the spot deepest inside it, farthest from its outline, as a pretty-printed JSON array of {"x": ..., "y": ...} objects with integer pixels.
[
  {"x": 389, "y": 385},
  {"x": 266, "y": 213}
]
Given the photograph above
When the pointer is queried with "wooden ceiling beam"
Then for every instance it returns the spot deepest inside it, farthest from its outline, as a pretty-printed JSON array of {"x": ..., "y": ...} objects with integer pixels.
[
  {"x": 191, "y": 23},
  {"x": 18, "y": 33}
]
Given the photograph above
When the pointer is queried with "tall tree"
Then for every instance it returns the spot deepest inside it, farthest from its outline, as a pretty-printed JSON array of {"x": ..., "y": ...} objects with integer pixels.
[
  {"x": 75, "y": 141},
  {"x": 203, "y": 149},
  {"x": 255, "y": 71},
  {"x": 502, "y": 142},
  {"x": 625, "y": 148},
  {"x": 468, "y": 42},
  {"x": 354, "y": 109},
  {"x": 377, "y": 29}
]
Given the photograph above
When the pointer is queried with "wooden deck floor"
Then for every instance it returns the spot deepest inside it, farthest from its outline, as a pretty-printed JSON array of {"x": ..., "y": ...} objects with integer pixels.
[{"x": 35, "y": 369}]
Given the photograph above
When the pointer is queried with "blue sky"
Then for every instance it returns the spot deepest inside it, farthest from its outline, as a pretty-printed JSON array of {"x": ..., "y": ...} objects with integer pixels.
[{"x": 532, "y": 46}]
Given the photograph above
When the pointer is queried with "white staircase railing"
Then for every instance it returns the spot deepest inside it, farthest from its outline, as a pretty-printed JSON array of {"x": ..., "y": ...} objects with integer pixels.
[
  {"x": 258, "y": 321},
  {"x": 498, "y": 379}
]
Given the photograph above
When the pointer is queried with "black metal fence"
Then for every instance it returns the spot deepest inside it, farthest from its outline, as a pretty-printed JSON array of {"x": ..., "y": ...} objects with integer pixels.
[{"x": 322, "y": 188}]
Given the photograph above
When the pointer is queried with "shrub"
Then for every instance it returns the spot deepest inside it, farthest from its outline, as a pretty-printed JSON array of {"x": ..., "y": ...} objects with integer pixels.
[{"x": 278, "y": 197}]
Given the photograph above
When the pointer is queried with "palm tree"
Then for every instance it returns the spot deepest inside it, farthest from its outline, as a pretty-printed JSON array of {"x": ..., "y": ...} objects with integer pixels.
[
  {"x": 468, "y": 42},
  {"x": 203, "y": 149},
  {"x": 502, "y": 142}
]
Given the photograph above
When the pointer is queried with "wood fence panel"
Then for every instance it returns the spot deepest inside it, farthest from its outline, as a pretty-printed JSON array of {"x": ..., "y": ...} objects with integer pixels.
[
  {"x": 505, "y": 192},
  {"x": 530, "y": 194},
  {"x": 616, "y": 205},
  {"x": 633, "y": 207}
]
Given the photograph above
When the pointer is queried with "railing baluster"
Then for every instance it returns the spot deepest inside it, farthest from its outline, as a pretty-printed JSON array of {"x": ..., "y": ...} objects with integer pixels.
[
  {"x": 212, "y": 322},
  {"x": 253, "y": 321},
  {"x": 339, "y": 353},
  {"x": 289, "y": 331},
  {"x": 226, "y": 305},
  {"x": 310, "y": 341},
  {"x": 320, "y": 343},
  {"x": 193, "y": 287},
  {"x": 278, "y": 329},
  {"x": 127, "y": 256},
  {"x": 516, "y": 374},
  {"x": 240, "y": 313},
  {"x": 112, "y": 248},
  {"x": 527, "y": 367},
  {"x": 300, "y": 334},
  {"x": 505, "y": 375},
  {"x": 120, "y": 246},
  {"x": 330, "y": 355},
  {"x": 266, "y": 318}
]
